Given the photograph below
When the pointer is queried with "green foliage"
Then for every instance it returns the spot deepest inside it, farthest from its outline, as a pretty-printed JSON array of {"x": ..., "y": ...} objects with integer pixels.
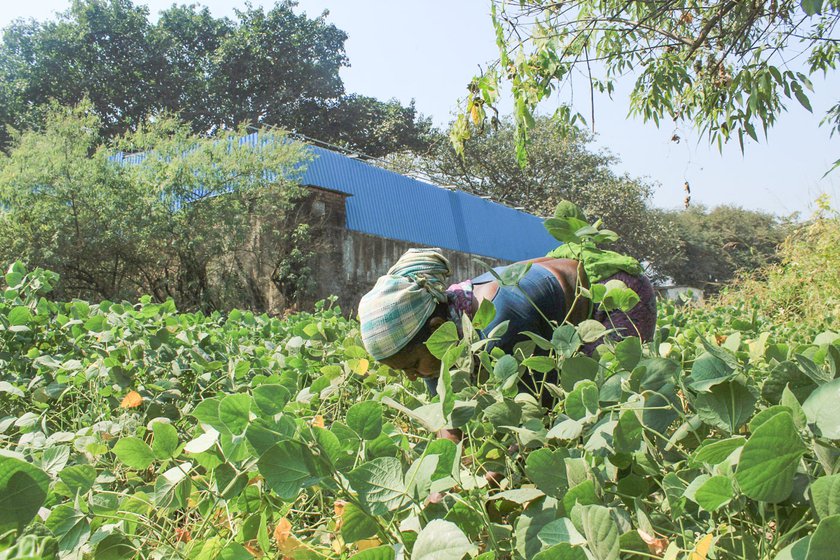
[
  {"x": 719, "y": 66},
  {"x": 562, "y": 167},
  {"x": 718, "y": 244},
  {"x": 270, "y": 67},
  {"x": 132, "y": 429},
  {"x": 802, "y": 287},
  {"x": 192, "y": 222}
]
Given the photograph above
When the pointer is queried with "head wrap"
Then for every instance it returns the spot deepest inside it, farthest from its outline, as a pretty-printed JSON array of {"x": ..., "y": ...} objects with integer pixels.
[{"x": 401, "y": 302}]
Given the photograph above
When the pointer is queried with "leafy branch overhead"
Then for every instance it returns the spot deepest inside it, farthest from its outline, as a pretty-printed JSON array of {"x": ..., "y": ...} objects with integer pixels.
[{"x": 726, "y": 67}]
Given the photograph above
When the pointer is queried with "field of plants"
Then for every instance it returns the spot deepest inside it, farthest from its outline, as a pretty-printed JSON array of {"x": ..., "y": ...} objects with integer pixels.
[{"x": 134, "y": 431}]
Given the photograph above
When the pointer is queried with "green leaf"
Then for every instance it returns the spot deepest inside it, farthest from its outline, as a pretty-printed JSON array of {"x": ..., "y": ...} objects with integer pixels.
[
  {"x": 822, "y": 411},
  {"x": 379, "y": 484},
  {"x": 716, "y": 451},
  {"x": 565, "y": 340},
  {"x": 444, "y": 337},
  {"x": 506, "y": 371},
  {"x": 418, "y": 477},
  {"x": 365, "y": 418},
  {"x": 577, "y": 368},
  {"x": 70, "y": 526},
  {"x": 288, "y": 468},
  {"x": 560, "y": 531},
  {"x": 172, "y": 487},
  {"x": 795, "y": 551},
  {"x": 234, "y": 551},
  {"x": 714, "y": 493},
  {"x": 78, "y": 478},
  {"x": 357, "y": 524},
  {"x": 787, "y": 374},
  {"x": 726, "y": 406},
  {"x": 542, "y": 468},
  {"x": 384, "y": 552},
  {"x": 590, "y": 330},
  {"x": 19, "y": 316},
  {"x": 789, "y": 400},
  {"x": 583, "y": 401},
  {"x": 628, "y": 352},
  {"x": 115, "y": 546},
  {"x": 271, "y": 399},
  {"x": 825, "y": 541},
  {"x": 811, "y": 7},
  {"x": 441, "y": 540},
  {"x": 769, "y": 460},
  {"x": 235, "y": 412},
  {"x": 134, "y": 453},
  {"x": 766, "y": 415},
  {"x": 825, "y": 495},
  {"x": 709, "y": 370},
  {"x": 542, "y": 364},
  {"x": 504, "y": 413},
  {"x": 23, "y": 489},
  {"x": 602, "y": 535},
  {"x": 165, "y": 444},
  {"x": 485, "y": 314}
]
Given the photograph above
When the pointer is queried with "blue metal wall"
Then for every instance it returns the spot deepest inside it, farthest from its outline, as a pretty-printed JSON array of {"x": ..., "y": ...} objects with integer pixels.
[
  {"x": 393, "y": 206},
  {"x": 390, "y": 205}
]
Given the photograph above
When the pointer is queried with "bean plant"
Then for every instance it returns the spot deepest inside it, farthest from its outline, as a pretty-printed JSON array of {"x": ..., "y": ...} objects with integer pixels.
[{"x": 129, "y": 430}]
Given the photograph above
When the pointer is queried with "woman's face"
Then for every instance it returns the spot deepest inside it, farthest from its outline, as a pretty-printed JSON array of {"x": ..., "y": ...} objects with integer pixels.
[{"x": 415, "y": 362}]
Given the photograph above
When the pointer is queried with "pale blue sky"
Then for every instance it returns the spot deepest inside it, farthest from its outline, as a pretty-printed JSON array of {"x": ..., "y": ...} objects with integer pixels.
[{"x": 428, "y": 50}]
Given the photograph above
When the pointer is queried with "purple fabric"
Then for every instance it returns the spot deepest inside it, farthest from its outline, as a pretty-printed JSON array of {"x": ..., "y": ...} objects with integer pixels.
[{"x": 640, "y": 321}]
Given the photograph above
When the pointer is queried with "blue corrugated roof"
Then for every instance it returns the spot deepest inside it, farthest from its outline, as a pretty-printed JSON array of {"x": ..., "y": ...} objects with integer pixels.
[
  {"x": 390, "y": 205},
  {"x": 393, "y": 206}
]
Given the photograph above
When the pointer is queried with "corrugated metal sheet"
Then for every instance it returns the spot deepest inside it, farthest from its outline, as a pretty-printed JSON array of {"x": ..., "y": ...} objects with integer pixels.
[{"x": 393, "y": 206}]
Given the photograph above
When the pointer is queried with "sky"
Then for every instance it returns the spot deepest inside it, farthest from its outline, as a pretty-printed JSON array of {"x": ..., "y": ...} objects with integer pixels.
[{"x": 428, "y": 50}]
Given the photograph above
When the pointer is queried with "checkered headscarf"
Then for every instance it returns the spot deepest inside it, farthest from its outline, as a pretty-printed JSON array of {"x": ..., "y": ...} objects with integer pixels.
[{"x": 402, "y": 301}]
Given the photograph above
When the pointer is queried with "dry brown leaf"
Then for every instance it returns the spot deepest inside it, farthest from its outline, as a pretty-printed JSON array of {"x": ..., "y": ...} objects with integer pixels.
[
  {"x": 338, "y": 507},
  {"x": 656, "y": 545},
  {"x": 701, "y": 549},
  {"x": 182, "y": 535},
  {"x": 131, "y": 400},
  {"x": 282, "y": 531}
]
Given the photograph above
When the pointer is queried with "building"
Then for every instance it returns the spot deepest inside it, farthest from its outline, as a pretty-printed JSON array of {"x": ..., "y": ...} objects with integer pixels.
[
  {"x": 367, "y": 217},
  {"x": 375, "y": 215}
]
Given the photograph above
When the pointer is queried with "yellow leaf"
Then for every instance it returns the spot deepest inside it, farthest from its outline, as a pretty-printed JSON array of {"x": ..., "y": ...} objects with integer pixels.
[
  {"x": 701, "y": 549},
  {"x": 359, "y": 366},
  {"x": 365, "y": 544},
  {"x": 132, "y": 400},
  {"x": 318, "y": 421}
]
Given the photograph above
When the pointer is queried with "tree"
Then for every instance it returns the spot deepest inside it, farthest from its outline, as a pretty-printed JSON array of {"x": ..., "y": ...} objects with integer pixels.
[
  {"x": 265, "y": 68},
  {"x": 719, "y": 66},
  {"x": 719, "y": 243},
  {"x": 206, "y": 221},
  {"x": 562, "y": 166}
]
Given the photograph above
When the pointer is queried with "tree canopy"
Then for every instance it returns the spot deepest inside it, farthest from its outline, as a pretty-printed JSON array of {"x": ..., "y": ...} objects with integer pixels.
[
  {"x": 161, "y": 228},
  {"x": 716, "y": 244},
  {"x": 562, "y": 166},
  {"x": 265, "y": 67},
  {"x": 722, "y": 66}
]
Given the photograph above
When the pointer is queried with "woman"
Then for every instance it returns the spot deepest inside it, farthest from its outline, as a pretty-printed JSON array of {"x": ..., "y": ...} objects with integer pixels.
[{"x": 410, "y": 302}]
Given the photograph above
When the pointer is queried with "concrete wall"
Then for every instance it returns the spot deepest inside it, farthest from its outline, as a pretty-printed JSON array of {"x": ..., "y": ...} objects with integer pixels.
[{"x": 351, "y": 262}]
